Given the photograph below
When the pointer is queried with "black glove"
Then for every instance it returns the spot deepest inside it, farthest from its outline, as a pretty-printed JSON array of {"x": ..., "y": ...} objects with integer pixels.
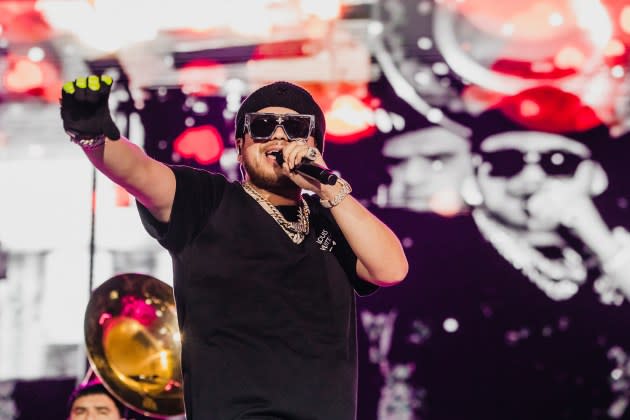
[{"x": 85, "y": 109}]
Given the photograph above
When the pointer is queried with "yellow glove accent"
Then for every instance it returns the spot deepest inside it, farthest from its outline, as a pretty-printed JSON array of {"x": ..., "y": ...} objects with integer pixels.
[
  {"x": 93, "y": 83},
  {"x": 81, "y": 82},
  {"x": 68, "y": 87},
  {"x": 107, "y": 79}
]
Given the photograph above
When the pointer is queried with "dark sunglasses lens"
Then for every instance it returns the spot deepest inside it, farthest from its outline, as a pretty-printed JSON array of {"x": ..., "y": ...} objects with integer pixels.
[
  {"x": 559, "y": 163},
  {"x": 505, "y": 163},
  {"x": 261, "y": 126},
  {"x": 297, "y": 126}
]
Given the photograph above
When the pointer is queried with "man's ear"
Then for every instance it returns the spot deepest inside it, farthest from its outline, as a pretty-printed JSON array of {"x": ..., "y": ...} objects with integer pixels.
[
  {"x": 469, "y": 188},
  {"x": 239, "y": 149},
  {"x": 599, "y": 179}
]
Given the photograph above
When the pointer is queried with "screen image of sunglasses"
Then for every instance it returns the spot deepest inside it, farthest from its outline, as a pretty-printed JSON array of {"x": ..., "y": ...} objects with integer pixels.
[
  {"x": 261, "y": 126},
  {"x": 508, "y": 163}
]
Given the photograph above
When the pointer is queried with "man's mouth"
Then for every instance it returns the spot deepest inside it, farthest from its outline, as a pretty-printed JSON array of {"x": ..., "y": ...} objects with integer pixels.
[{"x": 270, "y": 153}]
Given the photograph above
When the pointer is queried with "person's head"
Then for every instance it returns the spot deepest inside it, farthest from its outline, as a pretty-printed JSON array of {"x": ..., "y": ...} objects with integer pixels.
[
  {"x": 267, "y": 120},
  {"x": 516, "y": 165},
  {"x": 427, "y": 168},
  {"x": 94, "y": 402}
]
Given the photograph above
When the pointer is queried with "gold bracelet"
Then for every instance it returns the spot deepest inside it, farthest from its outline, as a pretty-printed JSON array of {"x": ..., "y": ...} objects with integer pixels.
[{"x": 345, "y": 190}]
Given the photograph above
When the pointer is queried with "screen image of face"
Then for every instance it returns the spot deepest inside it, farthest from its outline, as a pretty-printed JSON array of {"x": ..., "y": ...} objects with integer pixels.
[
  {"x": 427, "y": 168},
  {"x": 518, "y": 166}
]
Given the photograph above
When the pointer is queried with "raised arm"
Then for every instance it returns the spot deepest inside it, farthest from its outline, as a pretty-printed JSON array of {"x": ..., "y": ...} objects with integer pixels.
[
  {"x": 86, "y": 118},
  {"x": 151, "y": 182}
]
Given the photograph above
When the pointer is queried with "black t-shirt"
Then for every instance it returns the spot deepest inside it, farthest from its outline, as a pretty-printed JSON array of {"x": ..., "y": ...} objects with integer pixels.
[
  {"x": 514, "y": 353},
  {"x": 268, "y": 326}
]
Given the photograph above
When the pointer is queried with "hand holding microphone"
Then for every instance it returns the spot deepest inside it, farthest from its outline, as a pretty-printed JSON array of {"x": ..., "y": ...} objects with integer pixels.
[{"x": 308, "y": 168}]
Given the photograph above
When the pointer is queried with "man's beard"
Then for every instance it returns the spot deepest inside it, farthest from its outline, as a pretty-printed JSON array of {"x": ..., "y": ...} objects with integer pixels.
[{"x": 269, "y": 182}]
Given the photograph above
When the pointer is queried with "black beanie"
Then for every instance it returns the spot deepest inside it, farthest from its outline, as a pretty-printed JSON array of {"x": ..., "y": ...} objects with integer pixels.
[{"x": 286, "y": 95}]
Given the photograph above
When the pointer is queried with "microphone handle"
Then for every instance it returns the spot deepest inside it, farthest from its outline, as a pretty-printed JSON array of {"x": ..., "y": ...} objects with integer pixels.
[{"x": 323, "y": 175}]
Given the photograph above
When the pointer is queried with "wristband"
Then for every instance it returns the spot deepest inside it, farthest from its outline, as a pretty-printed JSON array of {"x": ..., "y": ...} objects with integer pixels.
[
  {"x": 89, "y": 143},
  {"x": 345, "y": 190}
]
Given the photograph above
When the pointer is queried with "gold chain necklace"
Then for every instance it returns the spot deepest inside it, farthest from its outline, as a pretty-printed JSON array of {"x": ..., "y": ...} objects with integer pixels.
[{"x": 297, "y": 230}]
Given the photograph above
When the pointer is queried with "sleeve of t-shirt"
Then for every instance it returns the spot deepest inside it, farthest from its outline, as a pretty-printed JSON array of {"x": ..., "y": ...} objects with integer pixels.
[
  {"x": 345, "y": 255},
  {"x": 197, "y": 195}
]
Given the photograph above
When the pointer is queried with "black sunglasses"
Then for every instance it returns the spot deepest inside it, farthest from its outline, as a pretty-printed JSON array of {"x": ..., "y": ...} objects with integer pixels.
[
  {"x": 261, "y": 126},
  {"x": 508, "y": 163}
]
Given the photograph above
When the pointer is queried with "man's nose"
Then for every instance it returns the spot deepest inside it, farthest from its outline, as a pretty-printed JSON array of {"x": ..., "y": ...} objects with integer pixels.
[
  {"x": 528, "y": 181},
  {"x": 279, "y": 133}
]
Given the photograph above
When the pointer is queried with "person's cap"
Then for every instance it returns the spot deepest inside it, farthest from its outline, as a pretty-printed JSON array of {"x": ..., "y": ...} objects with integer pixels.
[{"x": 287, "y": 95}]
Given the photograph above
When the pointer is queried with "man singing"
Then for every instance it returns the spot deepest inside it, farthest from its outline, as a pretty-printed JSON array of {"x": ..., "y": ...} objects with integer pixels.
[{"x": 264, "y": 276}]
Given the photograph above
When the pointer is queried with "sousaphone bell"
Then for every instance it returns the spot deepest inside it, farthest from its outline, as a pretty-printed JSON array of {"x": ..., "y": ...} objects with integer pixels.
[{"x": 133, "y": 343}]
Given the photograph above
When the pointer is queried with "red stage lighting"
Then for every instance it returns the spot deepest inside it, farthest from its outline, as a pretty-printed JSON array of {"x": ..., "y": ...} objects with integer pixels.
[
  {"x": 25, "y": 77},
  {"x": 22, "y": 23},
  {"x": 202, "y": 77},
  {"x": 349, "y": 120},
  {"x": 549, "y": 109},
  {"x": 204, "y": 144}
]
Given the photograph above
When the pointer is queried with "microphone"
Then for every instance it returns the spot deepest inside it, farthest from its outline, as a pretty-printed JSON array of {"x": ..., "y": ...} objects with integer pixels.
[{"x": 323, "y": 175}]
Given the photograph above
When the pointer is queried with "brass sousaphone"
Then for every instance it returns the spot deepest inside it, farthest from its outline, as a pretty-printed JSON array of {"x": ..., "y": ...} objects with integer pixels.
[{"x": 133, "y": 343}]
